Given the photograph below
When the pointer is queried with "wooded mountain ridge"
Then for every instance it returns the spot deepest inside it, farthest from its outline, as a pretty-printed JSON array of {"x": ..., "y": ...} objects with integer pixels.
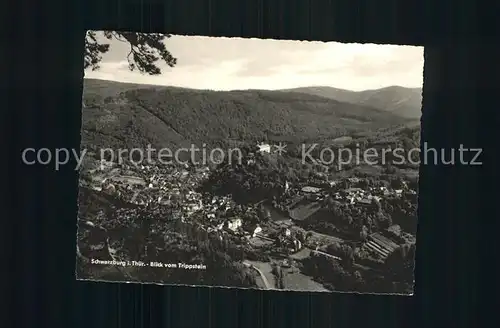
[
  {"x": 405, "y": 102},
  {"x": 128, "y": 115}
]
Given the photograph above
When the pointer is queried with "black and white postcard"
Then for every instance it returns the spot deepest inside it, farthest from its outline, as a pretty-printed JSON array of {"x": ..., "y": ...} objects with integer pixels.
[{"x": 249, "y": 163}]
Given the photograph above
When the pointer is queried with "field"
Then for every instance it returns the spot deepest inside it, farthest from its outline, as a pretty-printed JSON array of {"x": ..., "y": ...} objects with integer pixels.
[{"x": 294, "y": 280}]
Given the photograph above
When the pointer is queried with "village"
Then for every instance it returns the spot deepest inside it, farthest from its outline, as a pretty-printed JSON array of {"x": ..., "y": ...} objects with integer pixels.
[{"x": 273, "y": 228}]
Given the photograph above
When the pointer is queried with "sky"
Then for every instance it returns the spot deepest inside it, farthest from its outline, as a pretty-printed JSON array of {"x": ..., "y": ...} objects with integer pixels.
[{"x": 238, "y": 63}]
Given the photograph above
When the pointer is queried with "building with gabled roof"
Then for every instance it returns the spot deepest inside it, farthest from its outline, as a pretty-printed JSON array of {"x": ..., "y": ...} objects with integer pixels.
[
  {"x": 380, "y": 245},
  {"x": 264, "y": 148},
  {"x": 364, "y": 201},
  {"x": 310, "y": 189}
]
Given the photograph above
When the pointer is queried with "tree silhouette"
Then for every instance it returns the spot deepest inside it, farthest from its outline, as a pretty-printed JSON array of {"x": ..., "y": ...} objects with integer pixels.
[{"x": 146, "y": 49}]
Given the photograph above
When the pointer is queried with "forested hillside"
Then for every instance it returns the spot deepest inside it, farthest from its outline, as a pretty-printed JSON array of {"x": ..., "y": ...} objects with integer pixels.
[
  {"x": 404, "y": 102},
  {"x": 126, "y": 115}
]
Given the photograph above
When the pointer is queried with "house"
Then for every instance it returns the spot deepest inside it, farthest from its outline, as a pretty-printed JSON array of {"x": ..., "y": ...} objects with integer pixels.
[
  {"x": 395, "y": 229},
  {"x": 257, "y": 230},
  {"x": 384, "y": 191},
  {"x": 234, "y": 224},
  {"x": 264, "y": 148},
  {"x": 297, "y": 245},
  {"x": 364, "y": 202},
  {"x": 195, "y": 206},
  {"x": 312, "y": 190},
  {"x": 355, "y": 191}
]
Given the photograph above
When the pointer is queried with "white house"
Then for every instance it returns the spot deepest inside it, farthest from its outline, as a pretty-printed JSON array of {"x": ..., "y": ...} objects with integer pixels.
[
  {"x": 264, "y": 148},
  {"x": 257, "y": 230},
  {"x": 297, "y": 245},
  {"x": 311, "y": 190},
  {"x": 234, "y": 224}
]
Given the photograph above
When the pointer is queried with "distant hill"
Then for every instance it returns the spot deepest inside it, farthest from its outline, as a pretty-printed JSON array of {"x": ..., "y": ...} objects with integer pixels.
[
  {"x": 123, "y": 115},
  {"x": 405, "y": 102}
]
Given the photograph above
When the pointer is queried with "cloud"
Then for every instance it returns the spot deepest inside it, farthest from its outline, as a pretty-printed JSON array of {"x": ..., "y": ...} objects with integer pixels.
[{"x": 237, "y": 63}]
